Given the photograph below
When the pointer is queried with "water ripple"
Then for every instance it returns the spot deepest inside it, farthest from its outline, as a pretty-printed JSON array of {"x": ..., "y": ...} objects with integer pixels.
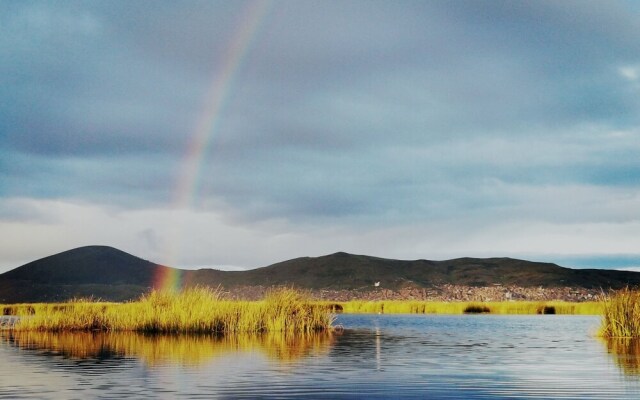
[{"x": 441, "y": 357}]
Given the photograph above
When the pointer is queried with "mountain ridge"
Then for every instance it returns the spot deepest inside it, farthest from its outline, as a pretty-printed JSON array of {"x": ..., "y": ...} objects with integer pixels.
[{"x": 112, "y": 274}]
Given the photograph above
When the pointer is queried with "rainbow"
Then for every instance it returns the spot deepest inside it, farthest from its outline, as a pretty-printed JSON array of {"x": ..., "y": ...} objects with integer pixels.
[
  {"x": 217, "y": 96},
  {"x": 166, "y": 278}
]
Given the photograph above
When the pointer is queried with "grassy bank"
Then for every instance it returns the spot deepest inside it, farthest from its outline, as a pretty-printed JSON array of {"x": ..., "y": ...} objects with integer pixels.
[
  {"x": 621, "y": 315},
  {"x": 193, "y": 310},
  {"x": 202, "y": 310},
  {"x": 498, "y": 307}
]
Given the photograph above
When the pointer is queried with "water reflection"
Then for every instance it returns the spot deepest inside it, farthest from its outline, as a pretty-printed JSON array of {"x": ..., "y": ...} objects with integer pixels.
[
  {"x": 378, "y": 349},
  {"x": 625, "y": 353},
  {"x": 153, "y": 350},
  {"x": 375, "y": 357}
]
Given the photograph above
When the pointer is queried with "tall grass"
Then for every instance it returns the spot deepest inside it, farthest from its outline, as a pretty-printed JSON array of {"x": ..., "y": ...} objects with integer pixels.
[
  {"x": 441, "y": 307},
  {"x": 621, "y": 314},
  {"x": 620, "y": 328},
  {"x": 193, "y": 310},
  {"x": 284, "y": 310}
]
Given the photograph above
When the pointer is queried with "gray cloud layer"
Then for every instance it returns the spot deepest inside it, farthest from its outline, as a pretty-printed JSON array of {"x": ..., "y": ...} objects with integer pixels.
[{"x": 353, "y": 113}]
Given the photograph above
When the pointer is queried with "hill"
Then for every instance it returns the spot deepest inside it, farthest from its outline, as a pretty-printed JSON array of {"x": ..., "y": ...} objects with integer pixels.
[
  {"x": 98, "y": 271},
  {"x": 343, "y": 271},
  {"x": 112, "y": 274}
]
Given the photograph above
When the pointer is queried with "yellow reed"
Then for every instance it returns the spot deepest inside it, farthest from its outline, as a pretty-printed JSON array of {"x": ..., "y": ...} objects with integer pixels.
[
  {"x": 193, "y": 310},
  {"x": 621, "y": 314},
  {"x": 441, "y": 307}
]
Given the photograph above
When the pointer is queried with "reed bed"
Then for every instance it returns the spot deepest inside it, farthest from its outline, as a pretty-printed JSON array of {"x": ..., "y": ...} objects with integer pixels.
[
  {"x": 198, "y": 310},
  {"x": 441, "y": 307},
  {"x": 621, "y": 314}
]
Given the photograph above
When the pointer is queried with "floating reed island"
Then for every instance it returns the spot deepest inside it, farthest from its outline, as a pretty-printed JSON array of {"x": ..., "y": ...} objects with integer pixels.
[{"x": 194, "y": 310}]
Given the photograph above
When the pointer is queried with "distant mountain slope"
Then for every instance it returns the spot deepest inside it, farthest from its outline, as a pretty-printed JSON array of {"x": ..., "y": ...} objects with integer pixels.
[
  {"x": 348, "y": 271},
  {"x": 91, "y": 264},
  {"x": 112, "y": 274},
  {"x": 99, "y": 271}
]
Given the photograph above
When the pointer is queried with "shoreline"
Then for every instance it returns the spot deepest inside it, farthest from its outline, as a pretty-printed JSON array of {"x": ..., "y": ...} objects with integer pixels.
[{"x": 436, "y": 293}]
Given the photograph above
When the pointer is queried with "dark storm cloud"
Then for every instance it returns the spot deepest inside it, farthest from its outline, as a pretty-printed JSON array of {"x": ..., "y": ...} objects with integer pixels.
[{"x": 386, "y": 111}]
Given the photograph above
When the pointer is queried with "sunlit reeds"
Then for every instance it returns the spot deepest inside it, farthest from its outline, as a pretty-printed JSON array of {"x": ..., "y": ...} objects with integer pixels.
[
  {"x": 193, "y": 310},
  {"x": 621, "y": 314},
  {"x": 282, "y": 310},
  {"x": 460, "y": 307}
]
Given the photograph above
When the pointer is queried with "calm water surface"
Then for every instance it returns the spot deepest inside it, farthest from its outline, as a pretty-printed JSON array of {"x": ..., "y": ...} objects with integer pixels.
[{"x": 377, "y": 356}]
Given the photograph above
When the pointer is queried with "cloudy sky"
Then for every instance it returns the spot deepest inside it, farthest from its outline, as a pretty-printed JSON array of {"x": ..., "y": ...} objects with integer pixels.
[{"x": 238, "y": 134}]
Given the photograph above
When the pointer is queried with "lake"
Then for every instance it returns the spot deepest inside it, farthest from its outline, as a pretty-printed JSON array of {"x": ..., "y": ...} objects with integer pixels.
[{"x": 376, "y": 356}]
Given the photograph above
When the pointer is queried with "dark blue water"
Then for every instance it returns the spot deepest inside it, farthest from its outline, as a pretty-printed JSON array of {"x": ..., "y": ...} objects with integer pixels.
[{"x": 377, "y": 356}]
